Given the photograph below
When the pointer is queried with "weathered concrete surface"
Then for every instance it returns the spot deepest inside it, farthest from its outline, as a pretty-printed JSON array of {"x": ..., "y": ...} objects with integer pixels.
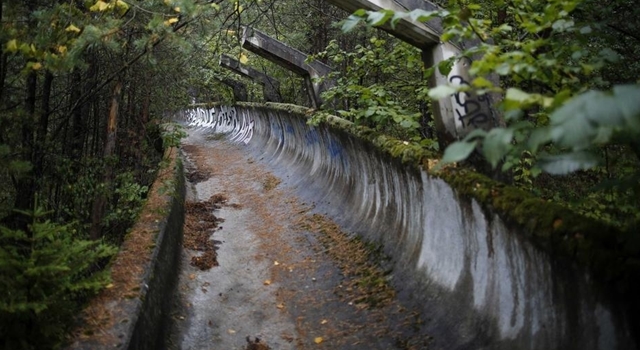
[
  {"x": 484, "y": 286},
  {"x": 276, "y": 280},
  {"x": 289, "y": 58},
  {"x": 270, "y": 85}
]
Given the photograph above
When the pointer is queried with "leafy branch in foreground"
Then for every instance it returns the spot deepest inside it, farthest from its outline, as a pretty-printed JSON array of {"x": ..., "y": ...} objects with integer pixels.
[{"x": 592, "y": 119}]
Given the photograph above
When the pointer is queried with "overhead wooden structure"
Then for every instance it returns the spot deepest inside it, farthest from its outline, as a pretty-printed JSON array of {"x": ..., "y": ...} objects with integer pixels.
[{"x": 289, "y": 58}]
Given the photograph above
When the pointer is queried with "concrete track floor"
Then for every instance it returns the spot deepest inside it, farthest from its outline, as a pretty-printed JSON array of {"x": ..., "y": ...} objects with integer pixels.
[{"x": 277, "y": 278}]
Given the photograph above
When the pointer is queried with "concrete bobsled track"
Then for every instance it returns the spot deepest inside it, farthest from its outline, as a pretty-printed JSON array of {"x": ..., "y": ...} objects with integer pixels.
[{"x": 483, "y": 283}]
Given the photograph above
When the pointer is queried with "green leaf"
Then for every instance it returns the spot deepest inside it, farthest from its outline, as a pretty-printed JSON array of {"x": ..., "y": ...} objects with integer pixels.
[
  {"x": 397, "y": 16},
  {"x": 597, "y": 117},
  {"x": 350, "y": 23},
  {"x": 628, "y": 97},
  {"x": 496, "y": 144},
  {"x": 517, "y": 95},
  {"x": 377, "y": 18},
  {"x": 407, "y": 124},
  {"x": 442, "y": 91},
  {"x": 444, "y": 67},
  {"x": 370, "y": 111},
  {"x": 422, "y": 15},
  {"x": 585, "y": 30},
  {"x": 609, "y": 55},
  {"x": 567, "y": 163},
  {"x": 538, "y": 137},
  {"x": 481, "y": 83},
  {"x": 562, "y": 25},
  {"x": 476, "y": 134},
  {"x": 458, "y": 151}
]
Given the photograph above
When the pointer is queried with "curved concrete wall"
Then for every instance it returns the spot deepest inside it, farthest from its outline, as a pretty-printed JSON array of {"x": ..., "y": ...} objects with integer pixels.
[{"x": 483, "y": 284}]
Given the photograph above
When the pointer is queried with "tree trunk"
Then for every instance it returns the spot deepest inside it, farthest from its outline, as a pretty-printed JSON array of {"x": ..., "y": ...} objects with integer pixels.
[
  {"x": 24, "y": 186},
  {"x": 3, "y": 63},
  {"x": 41, "y": 134},
  {"x": 100, "y": 202}
]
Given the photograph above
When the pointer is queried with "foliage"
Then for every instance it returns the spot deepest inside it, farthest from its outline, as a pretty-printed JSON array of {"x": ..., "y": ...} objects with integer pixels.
[
  {"x": 82, "y": 84},
  {"x": 44, "y": 272},
  {"x": 172, "y": 135},
  {"x": 377, "y": 85},
  {"x": 566, "y": 69},
  {"x": 130, "y": 198},
  {"x": 541, "y": 47},
  {"x": 589, "y": 120}
]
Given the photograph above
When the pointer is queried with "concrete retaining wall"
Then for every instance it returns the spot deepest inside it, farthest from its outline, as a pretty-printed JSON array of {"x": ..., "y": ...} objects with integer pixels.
[
  {"x": 138, "y": 318},
  {"x": 484, "y": 283}
]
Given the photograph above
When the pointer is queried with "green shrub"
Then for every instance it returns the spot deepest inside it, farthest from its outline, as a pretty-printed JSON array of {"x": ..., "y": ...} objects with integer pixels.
[{"x": 46, "y": 271}]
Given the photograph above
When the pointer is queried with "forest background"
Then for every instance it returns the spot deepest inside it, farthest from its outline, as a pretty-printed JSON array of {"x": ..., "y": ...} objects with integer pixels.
[{"x": 85, "y": 87}]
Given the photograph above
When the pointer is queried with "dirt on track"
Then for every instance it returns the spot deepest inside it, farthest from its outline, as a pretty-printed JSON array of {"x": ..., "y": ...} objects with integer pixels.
[{"x": 288, "y": 278}]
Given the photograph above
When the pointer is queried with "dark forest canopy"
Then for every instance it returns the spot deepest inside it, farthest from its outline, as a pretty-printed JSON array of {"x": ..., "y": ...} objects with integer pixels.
[{"x": 84, "y": 86}]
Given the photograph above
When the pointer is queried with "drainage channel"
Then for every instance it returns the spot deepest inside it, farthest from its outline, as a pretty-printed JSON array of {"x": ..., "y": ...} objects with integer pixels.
[{"x": 276, "y": 275}]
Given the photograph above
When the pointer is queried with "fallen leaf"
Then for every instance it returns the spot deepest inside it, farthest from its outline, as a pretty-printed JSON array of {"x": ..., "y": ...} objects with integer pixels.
[{"x": 318, "y": 340}]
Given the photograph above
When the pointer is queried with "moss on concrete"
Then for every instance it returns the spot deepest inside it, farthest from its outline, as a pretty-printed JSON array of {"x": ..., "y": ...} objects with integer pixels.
[
  {"x": 551, "y": 226},
  {"x": 408, "y": 152}
]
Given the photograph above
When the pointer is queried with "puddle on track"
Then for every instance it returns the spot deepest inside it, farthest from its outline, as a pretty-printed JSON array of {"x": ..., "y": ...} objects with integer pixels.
[{"x": 275, "y": 280}]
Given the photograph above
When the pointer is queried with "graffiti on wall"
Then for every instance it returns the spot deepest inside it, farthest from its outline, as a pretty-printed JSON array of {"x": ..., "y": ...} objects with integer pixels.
[
  {"x": 471, "y": 110},
  {"x": 224, "y": 120}
]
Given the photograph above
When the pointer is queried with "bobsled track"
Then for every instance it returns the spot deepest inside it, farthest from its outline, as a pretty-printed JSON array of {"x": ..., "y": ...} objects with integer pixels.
[{"x": 470, "y": 280}]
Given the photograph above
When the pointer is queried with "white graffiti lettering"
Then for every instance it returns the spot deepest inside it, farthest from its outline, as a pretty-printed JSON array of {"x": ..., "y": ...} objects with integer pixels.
[{"x": 223, "y": 120}]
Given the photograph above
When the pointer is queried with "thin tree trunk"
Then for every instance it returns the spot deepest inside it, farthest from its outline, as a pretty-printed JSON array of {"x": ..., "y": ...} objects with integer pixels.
[
  {"x": 77, "y": 120},
  {"x": 43, "y": 126},
  {"x": 3, "y": 63},
  {"x": 24, "y": 186},
  {"x": 100, "y": 202}
]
